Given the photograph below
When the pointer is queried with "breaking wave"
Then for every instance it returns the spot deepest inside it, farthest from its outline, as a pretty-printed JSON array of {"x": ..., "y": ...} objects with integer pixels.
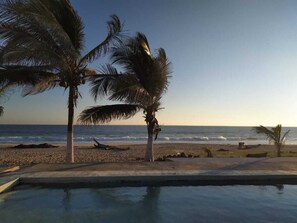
[{"x": 89, "y": 139}]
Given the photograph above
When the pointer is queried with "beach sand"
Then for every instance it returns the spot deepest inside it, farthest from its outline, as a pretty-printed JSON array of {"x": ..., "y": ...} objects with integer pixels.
[{"x": 10, "y": 156}]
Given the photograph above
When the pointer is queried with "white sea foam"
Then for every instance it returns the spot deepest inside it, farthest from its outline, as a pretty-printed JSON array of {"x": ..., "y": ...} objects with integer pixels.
[
  {"x": 11, "y": 137},
  {"x": 218, "y": 138}
]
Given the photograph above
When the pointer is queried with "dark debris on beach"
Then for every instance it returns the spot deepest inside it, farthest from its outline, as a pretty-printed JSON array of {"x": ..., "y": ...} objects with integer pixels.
[{"x": 32, "y": 146}]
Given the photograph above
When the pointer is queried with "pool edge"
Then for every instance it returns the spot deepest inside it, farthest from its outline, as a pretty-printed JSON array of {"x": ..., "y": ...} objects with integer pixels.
[{"x": 59, "y": 179}]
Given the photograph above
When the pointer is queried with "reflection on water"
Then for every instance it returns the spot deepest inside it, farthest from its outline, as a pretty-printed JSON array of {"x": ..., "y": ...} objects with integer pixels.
[
  {"x": 280, "y": 187},
  {"x": 138, "y": 204},
  {"x": 66, "y": 200},
  {"x": 152, "y": 204}
]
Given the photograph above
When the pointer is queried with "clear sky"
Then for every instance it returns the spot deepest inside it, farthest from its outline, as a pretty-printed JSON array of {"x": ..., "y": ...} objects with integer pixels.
[{"x": 234, "y": 62}]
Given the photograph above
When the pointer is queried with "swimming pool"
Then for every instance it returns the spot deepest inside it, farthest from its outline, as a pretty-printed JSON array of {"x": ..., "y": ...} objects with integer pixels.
[{"x": 151, "y": 204}]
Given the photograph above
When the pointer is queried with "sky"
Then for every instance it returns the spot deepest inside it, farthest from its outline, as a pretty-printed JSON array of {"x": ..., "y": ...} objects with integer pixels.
[{"x": 234, "y": 62}]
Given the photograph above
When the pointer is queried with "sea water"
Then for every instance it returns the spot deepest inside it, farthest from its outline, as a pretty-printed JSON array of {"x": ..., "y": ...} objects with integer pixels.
[
  {"x": 134, "y": 134},
  {"x": 211, "y": 204}
]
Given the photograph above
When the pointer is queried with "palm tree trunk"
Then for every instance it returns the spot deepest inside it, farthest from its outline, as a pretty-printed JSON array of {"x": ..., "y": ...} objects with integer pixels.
[
  {"x": 149, "y": 154},
  {"x": 278, "y": 151},
  {"x": 70, "y": 148}
]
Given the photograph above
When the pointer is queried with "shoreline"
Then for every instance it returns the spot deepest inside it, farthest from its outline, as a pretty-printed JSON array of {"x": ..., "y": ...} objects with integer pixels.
[
  {"x": 87, "y": 153},
  {"x": 132, "y": 143}
]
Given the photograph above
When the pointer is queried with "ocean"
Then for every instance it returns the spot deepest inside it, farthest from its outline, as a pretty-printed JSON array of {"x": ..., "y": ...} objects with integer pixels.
[{"x": 16, "y": 134}]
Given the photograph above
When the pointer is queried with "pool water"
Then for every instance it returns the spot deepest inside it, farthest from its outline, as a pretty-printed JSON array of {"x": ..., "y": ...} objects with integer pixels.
[{"x": 151, "y": 204}]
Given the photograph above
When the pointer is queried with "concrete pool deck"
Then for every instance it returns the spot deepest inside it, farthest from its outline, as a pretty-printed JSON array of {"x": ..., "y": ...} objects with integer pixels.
[{"x": 181, "y": 171}]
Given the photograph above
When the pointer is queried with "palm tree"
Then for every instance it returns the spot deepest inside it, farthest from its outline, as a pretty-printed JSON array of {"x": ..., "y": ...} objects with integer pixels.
[
  {"x": 45, "y": 38},
  {"x": 140, "y": 86},
  {"x": 274, "y": 135}
]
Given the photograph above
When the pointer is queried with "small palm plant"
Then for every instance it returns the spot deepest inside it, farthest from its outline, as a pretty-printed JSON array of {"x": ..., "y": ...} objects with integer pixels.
[
  {"x": 274, "y": 135},
  {"x": 140, "y": 86}
]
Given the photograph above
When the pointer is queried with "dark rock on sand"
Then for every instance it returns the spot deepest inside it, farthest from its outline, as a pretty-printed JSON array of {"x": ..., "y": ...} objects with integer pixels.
[
  {"x": 30, "y": 146},
  {"x": 257, "y": 155},
  {"x": 183, "y": 155},
  {"x": 222, "y": 150}
]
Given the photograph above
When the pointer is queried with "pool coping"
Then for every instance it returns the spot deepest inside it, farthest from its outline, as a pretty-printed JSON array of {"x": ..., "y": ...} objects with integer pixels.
[
  {"x": 147, "y": 178},
  {"x": 157, "y": 178}
]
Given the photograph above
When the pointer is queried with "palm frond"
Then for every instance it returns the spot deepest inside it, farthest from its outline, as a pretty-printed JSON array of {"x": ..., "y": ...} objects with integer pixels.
[
  {"x": 104, "y": 114},
  {"x": 42, "y": 85},
  {"x": 5, "y": 90},
  {"x": 33, "y": 79},
  {"x": 23, "y": 75},
  {"x": 283, "y": 139},
  {"x": 126, "y": 88},
  {"x": 136, "y": 58},
  {"x": 70, "y": 22},
  {"x": 102, "y": 83},
  {"x": 163, "y": 72},
  {"x": 26, "y": 22},
  {"x": 25, "y": 56},
  {"x": 114, "y": 30},
  {"x": 269, "y": 133},
  {"x": 143, "y": 43},
  {"x": 65, "y": 25}
]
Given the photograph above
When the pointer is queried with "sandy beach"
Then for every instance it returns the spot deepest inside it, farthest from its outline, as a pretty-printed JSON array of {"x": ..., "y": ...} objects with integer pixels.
[{"x": 10, "y": 156}]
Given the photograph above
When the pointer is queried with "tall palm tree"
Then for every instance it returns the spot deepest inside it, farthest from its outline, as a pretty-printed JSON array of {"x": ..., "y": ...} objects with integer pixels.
[
  {"x": 45, "y": 38},
  {"x": 140, "y": 86},
  {"x": 274, "y": 135}
]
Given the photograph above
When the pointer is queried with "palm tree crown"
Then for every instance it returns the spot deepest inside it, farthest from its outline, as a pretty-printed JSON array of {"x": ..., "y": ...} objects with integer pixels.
[
  {"x": 45, "y": 39},
  {"x": 140, "y": 85}
]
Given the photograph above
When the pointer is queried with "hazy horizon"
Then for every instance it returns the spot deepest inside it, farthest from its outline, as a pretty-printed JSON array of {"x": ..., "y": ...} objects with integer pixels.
[
  {"x": 234, "y": 62},
  {"x": 247, "y": 126}
]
